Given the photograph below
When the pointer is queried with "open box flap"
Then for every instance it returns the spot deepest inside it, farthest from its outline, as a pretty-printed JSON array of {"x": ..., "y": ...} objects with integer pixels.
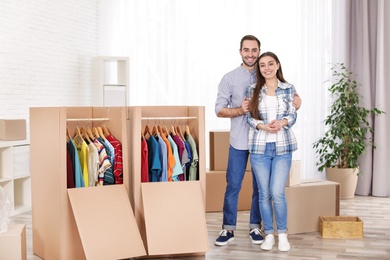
[
  {"x": 106, "y": 222},
  {"x": 175, "y": 218}
]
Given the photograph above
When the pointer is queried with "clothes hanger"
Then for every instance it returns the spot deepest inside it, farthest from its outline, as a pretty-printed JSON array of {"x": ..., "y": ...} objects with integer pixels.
[
  {"x": 160, "y": 130},
  {"x": 155, "y": 131},
  {"x": 68, "y": 134},
  {"x": 100, "y": 132},
  {"x": 90, "y": 134},
  {"x": 165, "y": 131},
  {"x": 173, "y": 131},
  {"x": 105, "y": 131},
  {"x": 179, "y": 132},
  {"x": 187, "y": 132},
  {"x": 146, "y": 131},
  {"x": 95, "y": 132},
  {"x": 84, "y": 134}
]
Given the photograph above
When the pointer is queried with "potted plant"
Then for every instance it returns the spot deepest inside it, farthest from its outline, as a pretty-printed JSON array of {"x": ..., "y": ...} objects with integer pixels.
[{"x": 346, "y": 136}]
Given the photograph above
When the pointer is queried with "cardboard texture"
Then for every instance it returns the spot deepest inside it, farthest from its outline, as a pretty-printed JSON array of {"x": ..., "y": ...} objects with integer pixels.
[
  {"x": 166, "y": 205},
  {"x": 219, "y": 150},
  {"x": 215, "y": 191},
  {"x": 294, "y": 178},
  {"x": 12, "y": 129},
  {"x": 310, "y": 200},
  {"x": 106, "y": 222},
  {"x": 13, "y": 242},
  {"x": 341, "y": 227}
]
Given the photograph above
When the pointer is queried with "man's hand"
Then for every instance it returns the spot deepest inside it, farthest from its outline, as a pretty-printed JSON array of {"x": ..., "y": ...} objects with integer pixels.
[
  {"x": 245, "y": 105},
  {"x": 297, "y": 101}
]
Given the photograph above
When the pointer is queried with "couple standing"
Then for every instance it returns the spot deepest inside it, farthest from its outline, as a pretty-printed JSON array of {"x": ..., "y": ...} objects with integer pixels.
[{"x": 262, "y": 107}]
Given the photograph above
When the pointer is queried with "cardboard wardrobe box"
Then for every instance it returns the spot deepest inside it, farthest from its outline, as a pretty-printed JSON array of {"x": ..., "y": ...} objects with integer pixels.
[
  {"x": 219, "y": 150},
  {"x": 13, "y": 242},
  {"x": 78, "y": 223},
  {"x": 12, "y": 129},
  {"x": 164, "y": 210},
  {"x": 308, "y": 201},
  {"x": 215, "y": 191}
]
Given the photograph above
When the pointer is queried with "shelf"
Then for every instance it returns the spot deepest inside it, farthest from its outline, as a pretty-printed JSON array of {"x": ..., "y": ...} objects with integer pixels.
[{"x": 15, "y": 174}]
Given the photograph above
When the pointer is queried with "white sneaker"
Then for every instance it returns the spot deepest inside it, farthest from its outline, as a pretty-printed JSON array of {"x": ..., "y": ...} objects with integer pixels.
[
  {"x": 268, "y": 243},
  {"x": 283, "y": 244}
]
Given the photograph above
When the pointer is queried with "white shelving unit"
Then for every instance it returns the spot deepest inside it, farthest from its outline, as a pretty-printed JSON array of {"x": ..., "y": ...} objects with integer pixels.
[
  {"x": 110, "y": 79},
  {"x": 15, "y": 174}
]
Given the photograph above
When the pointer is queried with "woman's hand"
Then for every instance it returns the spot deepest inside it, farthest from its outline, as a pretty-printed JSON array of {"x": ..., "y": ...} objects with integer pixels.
[{"x": 275, "y": 125}]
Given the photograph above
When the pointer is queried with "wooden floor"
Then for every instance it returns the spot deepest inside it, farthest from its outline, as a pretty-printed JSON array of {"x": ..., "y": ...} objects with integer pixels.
[{"x": 374, "y": 212}]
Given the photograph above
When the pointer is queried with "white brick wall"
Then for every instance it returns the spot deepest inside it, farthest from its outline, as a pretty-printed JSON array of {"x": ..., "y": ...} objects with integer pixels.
[{"x": 45, "y": 54}]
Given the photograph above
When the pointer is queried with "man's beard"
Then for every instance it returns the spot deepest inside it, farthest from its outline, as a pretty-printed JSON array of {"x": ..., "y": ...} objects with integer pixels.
[{"x": 250, "y": 66}]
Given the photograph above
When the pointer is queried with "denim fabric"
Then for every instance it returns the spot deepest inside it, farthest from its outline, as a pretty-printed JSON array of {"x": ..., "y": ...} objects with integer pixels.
[
  {"x": 236, "y": 168},
  {"x": 271, "y": 173}
]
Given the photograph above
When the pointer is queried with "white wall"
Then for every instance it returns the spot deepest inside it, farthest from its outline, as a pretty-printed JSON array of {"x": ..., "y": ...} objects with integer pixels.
[{"x": 45, "y": 54}]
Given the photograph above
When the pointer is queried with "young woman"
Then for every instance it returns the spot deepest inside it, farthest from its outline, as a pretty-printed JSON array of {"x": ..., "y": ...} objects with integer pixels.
[{"x": 271, "y": 143}]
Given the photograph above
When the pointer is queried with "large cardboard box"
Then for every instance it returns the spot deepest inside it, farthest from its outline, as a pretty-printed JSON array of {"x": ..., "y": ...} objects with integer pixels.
[
  {"x": 12, "y": 129},
  {"x": 215, "y": 191},
  {"x": 341, "y": 227},
  {"x": 13, "y": 242},
  {"x": 219, "y": 151},
  {"x": 310, "y": 200}
]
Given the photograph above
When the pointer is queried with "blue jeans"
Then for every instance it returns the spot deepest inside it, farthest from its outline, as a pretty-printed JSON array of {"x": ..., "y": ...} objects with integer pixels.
[
  {"x": 271, "y": 172},
  {"x": 236, "y": 168}
]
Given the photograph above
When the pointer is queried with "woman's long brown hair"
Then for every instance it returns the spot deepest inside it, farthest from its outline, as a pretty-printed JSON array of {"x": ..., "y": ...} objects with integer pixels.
[{"x": 254, "y": 102}]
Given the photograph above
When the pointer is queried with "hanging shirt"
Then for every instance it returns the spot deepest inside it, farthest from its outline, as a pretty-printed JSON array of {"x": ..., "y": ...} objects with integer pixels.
[
  {"x": 177, "y": 169},
  {"x": 154, "y": 160},
  {"x": 144, "y": 161},
  {"x": 163, "y": 158},
  {"x": 82, "y": 151},
  {"x": 78, "y": 176},
  {"x": 93, "y": 164},
  {"x": 193, "y": 172},
  {"x": 69, "y": 167},
  {"x": 108, "y": 174},
  {"x": 118, "y": 160},
  {"x": 170, "y": 158},
  {"x": 104, "y": 163},
  {"x": 183, "y": 155},
  {"x": 188, "y": 163}
]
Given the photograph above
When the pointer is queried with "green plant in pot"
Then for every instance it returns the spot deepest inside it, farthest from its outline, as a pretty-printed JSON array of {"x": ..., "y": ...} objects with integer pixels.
[{"x": 346, "y": 136}]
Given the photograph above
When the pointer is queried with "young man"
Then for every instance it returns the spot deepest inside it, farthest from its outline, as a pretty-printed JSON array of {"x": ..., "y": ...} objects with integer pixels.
[{"x": 232, "y": 103}]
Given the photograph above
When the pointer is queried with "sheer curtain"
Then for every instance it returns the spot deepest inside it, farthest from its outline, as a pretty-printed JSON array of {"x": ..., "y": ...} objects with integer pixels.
[
  {"x": 180, "y": 49},
  {"x": 368, "y": 56}
]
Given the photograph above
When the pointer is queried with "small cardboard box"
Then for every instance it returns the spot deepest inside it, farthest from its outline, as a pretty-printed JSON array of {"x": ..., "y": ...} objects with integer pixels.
[
  {"x": 341, "y": 227},
  {"x": 219, "y": 151},
  {"x": 294, "y": 178},
  {"x": 215, "y": 191},
  {"x": 13, "y": 242},
  {"x": 12, "y": 129}
]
